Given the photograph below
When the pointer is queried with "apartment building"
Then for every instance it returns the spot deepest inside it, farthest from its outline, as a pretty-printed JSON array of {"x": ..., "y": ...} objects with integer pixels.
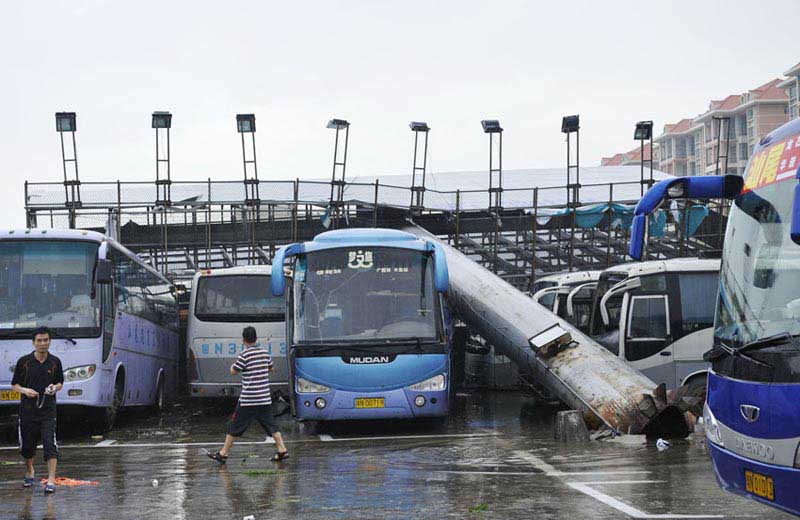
[
  {"x": 791, "y": 85},
  {"x": 689, "y": 147},
  {"x": 632, "y": 157}
]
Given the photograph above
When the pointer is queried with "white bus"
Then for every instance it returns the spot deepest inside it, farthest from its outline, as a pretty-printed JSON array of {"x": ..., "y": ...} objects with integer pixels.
[
  {"x": 568, "y": 295},
  {"x": 113, "y": 320},
  {"x": 222, "y": 303},
  {"x": 658, "y": 317}
]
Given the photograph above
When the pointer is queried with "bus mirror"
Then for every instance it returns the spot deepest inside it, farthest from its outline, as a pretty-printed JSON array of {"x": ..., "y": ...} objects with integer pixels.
[
  {"x": 278, "y": 278},
  {"x": 103, "y": 272},
  {"x": 441, "y": 275},
  {"x": 702, "y": 188}
]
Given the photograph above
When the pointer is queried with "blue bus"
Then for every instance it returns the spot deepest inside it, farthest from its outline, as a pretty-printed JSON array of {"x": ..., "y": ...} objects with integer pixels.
[
  {"x": 367, "y": 330},
  {"x": 752, "y": 412},
  {"x": 114, "y": 321}
]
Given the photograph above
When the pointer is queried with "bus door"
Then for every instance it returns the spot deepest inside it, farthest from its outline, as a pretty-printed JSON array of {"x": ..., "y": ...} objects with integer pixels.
[{"x": 646, "y": 343}]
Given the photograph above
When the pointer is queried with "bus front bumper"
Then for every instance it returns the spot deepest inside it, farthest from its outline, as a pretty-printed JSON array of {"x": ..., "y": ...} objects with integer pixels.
[
  {"x": 730, "y": 469},
  {"x": 400, "y": 403}
]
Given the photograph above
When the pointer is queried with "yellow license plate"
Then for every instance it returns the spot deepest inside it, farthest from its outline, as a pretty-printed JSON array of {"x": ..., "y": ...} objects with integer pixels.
[
  {"x": 759, "y": 485},
  {"x": 8, "y": 395},
  {"x": 370, "y": 402}
]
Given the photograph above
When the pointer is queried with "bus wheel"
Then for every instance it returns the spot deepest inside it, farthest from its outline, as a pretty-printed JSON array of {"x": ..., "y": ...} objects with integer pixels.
[
  {"x": 160, "y": 404},
  {"x": 108, "y": 415}
]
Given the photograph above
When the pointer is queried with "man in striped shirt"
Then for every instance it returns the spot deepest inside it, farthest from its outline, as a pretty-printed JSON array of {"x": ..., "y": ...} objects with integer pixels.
[{"x": 255, "y": 402}]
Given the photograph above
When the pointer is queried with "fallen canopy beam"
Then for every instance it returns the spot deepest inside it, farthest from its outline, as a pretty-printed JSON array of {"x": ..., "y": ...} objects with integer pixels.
[{"x": 582, "y": 374}]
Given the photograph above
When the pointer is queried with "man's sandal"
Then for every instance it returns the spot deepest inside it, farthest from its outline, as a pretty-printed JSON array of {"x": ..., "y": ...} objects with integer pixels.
[
  {"x": 280, "y": 455},
  {"x": 218, "y": 457},
  {"x": 28, "y": 482}
]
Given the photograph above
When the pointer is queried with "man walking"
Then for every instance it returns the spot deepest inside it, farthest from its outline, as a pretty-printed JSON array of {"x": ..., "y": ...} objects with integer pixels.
[
  {"x": 255, "y": 402},
  {"x": 37, "y": 377}
]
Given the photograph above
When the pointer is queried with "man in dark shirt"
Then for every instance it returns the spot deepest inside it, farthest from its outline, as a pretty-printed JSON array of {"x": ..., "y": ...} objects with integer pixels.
[{"x": 37, "y": 377}]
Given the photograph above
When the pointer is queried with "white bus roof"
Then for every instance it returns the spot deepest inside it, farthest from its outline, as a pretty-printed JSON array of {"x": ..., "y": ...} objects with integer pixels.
[
  {"x": 74, "y": 234},
  {"x": 35, "y": 233},
  {"x": 662, "y": 266},
  {"x": 574, "y": 277},
  {"x": 241, "y": 270}
]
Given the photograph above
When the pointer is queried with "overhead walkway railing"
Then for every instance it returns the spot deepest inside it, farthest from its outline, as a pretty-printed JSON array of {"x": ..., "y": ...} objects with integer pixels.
[{"x": 534, "y": 234}]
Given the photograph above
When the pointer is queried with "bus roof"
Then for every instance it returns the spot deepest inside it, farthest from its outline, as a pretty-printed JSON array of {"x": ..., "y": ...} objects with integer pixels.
[
  {"x": 35, "y": 233},
  {"x": 673, "y": 265},
  {"x": 574, "y": 277},
  {"x": 376, "y": 237},
  {"x": 265, "y": 270},
  {"x": 75, "y": 234}
]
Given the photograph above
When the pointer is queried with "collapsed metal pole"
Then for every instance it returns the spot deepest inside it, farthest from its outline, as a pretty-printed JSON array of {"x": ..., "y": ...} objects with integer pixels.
[{"x": 584, "y": 375}]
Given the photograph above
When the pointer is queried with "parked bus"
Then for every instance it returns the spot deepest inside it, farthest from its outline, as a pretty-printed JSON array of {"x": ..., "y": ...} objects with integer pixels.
[
  {"x": 657, "y": 316},
  {"x": 367, "y": 328},
  {"x": 113, "y": 318},
  {"x": 568, "y": 295},
  {"x": 222, "y": 303},
  {"x": 752, "y": 415}
]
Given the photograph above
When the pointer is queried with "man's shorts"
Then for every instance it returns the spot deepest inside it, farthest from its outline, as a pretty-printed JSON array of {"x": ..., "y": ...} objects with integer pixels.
[
  {"x": 33, "y": 430},
  {"x": 244, "y": 416}
]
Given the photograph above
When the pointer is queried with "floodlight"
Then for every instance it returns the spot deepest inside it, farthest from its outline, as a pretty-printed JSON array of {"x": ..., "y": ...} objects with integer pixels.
[
  {"x": 418, "y": 126},
  {"x": 570, "y": 124},
  {"x": 162, "y": 120},
  {"x": 644, "y": 131},
  {"x": 491, "y": 126},
  {"x": 338, "y": 124},
  {"x": 65, "y": 122},
  {"x": 245, "y": 123}
]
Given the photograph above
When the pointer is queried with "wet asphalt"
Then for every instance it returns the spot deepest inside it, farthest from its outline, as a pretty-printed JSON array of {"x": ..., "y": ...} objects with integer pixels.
[{"x": 493, "y": 458}]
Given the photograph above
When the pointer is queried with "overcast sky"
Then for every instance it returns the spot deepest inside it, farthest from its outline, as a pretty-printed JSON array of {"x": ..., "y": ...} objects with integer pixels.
[{"x": 378, "y": 65}]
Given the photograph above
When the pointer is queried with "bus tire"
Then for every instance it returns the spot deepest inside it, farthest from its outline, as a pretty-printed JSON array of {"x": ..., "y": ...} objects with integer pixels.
[
  {"x": 108, "y": 415},
  {"x": 160, "y": 404}
]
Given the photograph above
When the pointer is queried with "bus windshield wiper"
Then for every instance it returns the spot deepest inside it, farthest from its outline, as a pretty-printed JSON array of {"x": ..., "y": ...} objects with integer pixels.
[
  {"x": 758, "y": 344},
  {"x": 62, "y": 336}
]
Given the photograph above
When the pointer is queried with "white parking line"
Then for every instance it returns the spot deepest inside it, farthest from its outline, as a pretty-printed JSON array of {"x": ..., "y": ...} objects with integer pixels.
[
  {"x": 622, "y": 506},
  {"x": 585, "y": 487},
  {"x": 269, "y": 440}
]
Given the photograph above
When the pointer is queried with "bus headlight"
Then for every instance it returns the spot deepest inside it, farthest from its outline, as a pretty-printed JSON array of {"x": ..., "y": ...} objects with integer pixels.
[
  {"x": 712, "y": 426},
  {"x": 79, "y": 373},
  {"x": 434, "y": 383},
  {"x": 304, "y": 386}
]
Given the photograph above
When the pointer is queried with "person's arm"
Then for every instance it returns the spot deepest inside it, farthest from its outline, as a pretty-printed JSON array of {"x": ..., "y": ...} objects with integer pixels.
[
  {"x": 58, "y": 378},
  {"x": 16, "y": 383},
  {"x": 270, "y": 364},
  {"x": 239, "y": 365}
]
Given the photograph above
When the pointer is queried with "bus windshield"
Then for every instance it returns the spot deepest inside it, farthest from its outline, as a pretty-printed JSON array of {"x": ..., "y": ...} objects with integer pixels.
[
  {"x": 364, "y": 294},
  {"x": 759, "y": 292},
  {"x": 48, "y": 284},
  {"x": 244, "y": 298}
]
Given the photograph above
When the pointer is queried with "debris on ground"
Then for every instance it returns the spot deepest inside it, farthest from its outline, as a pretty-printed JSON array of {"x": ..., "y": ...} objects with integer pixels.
[
  {"x": 71, "y": 482},
  {"x": 662, "y": 445}
]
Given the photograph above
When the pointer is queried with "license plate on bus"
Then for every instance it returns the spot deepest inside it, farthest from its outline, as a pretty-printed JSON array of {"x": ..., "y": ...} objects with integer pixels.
[
  {"x": 8, "y": 395},
  {"x": 370, "y": 402},
  {"x": 759, "y": 485}
]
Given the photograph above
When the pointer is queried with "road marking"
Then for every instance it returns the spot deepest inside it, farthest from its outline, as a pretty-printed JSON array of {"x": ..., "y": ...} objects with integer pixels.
[
  {"x": 623, "y": 507},
  {"x": 584, "y": 487},
  {"x": 393, "y": 437},
  {"x": 269, "y": 440},
  {"x": 107, "y": 442}
]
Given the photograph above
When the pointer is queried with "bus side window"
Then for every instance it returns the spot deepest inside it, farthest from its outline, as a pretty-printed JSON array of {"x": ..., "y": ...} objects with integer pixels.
[{"x": 648, "y": 326}]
